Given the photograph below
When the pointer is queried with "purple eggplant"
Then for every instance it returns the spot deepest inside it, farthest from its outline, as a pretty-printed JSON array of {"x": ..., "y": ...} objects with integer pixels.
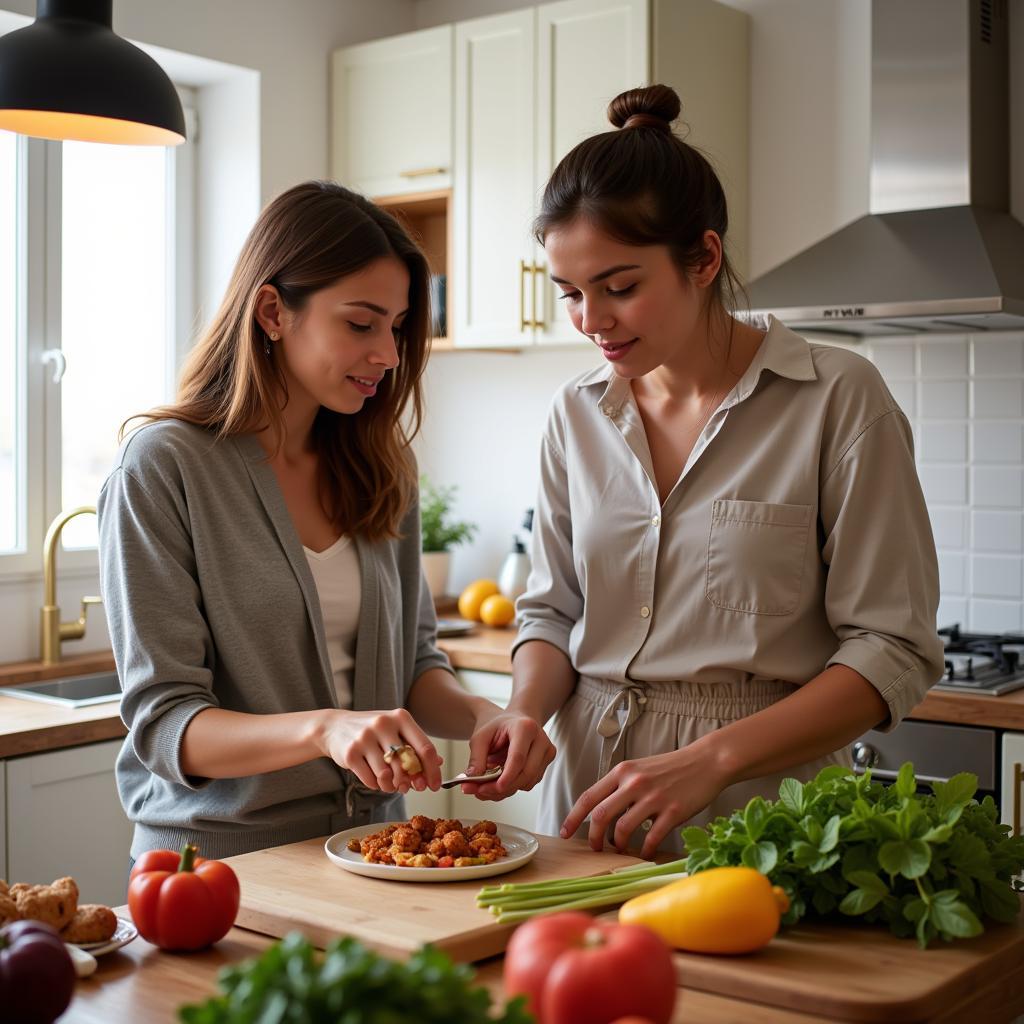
[{"x": 37, "y": 977}]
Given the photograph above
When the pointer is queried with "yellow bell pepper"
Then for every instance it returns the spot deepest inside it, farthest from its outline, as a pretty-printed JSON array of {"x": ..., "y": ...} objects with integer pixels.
[{"x": 721, "y": 910}]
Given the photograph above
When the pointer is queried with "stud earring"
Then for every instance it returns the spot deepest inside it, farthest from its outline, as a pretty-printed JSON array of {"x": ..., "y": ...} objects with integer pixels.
[{"x": 274, "y": 335}]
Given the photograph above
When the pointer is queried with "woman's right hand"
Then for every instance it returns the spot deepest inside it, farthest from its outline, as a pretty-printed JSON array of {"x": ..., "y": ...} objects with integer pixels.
[
  {"x": 359, "y": 740},
  {"x": 514, "y": 739}
]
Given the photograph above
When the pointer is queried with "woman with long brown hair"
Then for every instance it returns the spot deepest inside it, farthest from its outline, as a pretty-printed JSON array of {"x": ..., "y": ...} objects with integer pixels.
[
  {"x": 260, "y": 549},
  {"x": 733, "y": 568}
]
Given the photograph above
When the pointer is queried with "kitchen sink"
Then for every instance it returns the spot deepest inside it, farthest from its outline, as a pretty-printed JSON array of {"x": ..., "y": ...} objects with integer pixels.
[{"x": 74, "y": 692}]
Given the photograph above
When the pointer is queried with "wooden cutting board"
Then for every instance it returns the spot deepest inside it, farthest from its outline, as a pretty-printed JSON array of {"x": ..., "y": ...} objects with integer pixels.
[
  {"x": 296, "y": 887},
  {"x": 858, "y": 973}
]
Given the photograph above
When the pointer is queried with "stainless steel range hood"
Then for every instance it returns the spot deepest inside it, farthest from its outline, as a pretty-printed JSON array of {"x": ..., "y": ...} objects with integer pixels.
[{"x": 939, "y": 250}]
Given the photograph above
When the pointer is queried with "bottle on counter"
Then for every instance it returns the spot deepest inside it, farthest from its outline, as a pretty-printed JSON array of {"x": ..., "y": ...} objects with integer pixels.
[{"x": 515, "y": 570}]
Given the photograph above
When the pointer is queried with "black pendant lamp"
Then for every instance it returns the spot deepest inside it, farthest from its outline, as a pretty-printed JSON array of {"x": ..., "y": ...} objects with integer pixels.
[{"x": 68, "y": 76}]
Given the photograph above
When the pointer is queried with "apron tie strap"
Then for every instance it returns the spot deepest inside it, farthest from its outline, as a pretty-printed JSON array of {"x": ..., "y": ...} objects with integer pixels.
[{"x": 621, "y": 711}]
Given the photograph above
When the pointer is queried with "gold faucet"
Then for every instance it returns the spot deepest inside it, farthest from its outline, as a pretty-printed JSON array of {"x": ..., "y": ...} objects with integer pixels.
[{"x": 51, "y": 630}]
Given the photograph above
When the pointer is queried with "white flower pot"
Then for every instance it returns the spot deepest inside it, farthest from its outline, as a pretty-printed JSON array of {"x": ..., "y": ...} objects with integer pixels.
[{"x": 436, "y": 565}]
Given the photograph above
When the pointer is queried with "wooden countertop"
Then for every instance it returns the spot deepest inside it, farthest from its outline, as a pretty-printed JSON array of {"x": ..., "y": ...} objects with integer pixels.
[
  {"x": 488, "y": 651},
  {"x": 30, "y": 727},
  {"x": 27, "y": 727},
  {"x": 139, "y": 983}
]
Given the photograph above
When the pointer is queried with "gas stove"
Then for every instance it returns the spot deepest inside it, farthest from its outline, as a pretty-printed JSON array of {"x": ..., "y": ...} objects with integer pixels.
[{"x": 987, "y": 663}]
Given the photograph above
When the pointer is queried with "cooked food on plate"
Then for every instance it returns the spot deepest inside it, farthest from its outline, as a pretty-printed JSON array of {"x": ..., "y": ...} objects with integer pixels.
[
  {"x": 93, "y": 922},
  {"x": 53, "y": 904},
  {"x": 424, "y": 842},
  {"x": 57, "y": 905}
]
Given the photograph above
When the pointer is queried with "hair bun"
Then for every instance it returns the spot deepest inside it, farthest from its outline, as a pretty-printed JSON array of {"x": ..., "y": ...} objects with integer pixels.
[{"x": 653, "y": 106}]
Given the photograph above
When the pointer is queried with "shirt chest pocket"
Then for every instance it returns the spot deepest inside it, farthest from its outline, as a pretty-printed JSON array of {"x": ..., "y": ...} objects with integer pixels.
[{"x": 756, "y": 556}]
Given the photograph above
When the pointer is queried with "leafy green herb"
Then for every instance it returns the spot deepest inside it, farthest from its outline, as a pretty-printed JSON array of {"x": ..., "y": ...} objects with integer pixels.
[
  {"x": 439, "y": 533},
  {"x": 930, "y": 865},
  {"x": 350, "y": 984}
]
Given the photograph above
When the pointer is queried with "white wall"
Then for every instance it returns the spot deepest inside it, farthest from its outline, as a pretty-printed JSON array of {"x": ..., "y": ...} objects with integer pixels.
[{"x": 288, "y": 43}]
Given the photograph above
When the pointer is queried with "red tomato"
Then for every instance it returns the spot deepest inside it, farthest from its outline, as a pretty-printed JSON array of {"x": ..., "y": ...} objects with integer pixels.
[
  {"x": 180, "y": 901},
  {"x": 574, "y": 969}
]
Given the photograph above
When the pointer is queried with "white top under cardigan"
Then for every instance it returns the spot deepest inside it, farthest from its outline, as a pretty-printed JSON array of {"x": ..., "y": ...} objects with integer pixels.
[{"x": 336, "y": 575}]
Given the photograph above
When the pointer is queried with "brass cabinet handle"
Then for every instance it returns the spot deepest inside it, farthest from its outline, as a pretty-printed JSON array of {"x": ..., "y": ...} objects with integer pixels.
[
  {"x": 422, "y": 172},
  {"x": 537, "y": 271},
  {"x": 1018, "y": 772},
  {"x": 524, "y": 269}
]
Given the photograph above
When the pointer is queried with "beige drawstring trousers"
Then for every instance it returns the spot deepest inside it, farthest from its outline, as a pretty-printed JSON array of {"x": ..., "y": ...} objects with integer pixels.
[{"x": 604, "y": 723}]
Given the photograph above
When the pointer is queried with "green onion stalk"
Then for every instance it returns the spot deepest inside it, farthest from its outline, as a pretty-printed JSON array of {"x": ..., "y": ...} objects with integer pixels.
[{"x": 512, "y": 902}]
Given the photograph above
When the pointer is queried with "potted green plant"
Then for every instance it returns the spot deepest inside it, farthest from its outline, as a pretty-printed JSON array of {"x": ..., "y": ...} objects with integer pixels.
[{"x": 440, "y": 533}]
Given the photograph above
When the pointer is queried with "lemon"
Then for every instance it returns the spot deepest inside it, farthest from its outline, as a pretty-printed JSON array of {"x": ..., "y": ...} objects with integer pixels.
[
  {"x": 497, "y": 610},
  {"x": 474, "y": 596}
]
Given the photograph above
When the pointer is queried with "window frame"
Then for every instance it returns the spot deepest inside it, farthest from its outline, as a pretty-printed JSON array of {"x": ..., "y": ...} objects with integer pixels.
[{"x": 38, "y": 458}]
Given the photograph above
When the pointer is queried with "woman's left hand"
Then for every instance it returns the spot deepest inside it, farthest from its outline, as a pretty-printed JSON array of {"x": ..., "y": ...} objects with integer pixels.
[{"x": 667, "y": 788}]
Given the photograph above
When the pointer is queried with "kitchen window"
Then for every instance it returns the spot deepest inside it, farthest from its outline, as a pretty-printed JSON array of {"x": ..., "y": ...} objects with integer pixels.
[{"x": 95, "y": 287}]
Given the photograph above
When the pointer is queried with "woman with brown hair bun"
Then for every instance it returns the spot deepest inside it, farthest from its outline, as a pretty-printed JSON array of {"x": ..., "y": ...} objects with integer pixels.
[
  {"x": 260, "y": 550},
  {"x": 733, "y": 568}
]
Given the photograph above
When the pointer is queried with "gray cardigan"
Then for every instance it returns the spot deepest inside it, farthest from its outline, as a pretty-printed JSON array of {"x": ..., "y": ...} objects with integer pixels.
[{"x": 210, "y": 603}]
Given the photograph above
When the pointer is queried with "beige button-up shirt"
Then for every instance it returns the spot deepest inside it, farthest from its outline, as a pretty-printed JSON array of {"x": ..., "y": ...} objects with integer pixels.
[{"x": 796, "y": 537}]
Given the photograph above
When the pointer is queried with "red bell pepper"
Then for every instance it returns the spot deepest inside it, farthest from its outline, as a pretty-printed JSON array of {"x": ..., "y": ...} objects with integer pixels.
[{"x": 181, "y": 901}]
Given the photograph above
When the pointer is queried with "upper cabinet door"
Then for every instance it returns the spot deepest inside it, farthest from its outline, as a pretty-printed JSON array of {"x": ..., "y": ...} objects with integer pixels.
[
  {"x": 493, "y": 194},
  {"x": 391, "y": 114},
  {"x": 588, "y": 51}
]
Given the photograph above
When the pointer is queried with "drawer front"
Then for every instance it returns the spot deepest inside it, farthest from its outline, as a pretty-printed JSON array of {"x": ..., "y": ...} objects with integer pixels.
[{"x": 64, "y": 817}]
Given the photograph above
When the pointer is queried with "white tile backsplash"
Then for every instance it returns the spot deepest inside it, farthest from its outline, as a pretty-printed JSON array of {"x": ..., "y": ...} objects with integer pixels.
[
  {"x": 995, "y": 441},
  {"x": 996, "y": 531},
  {"x": 944, "y": 358},
  {"x": 895, "y": 359},
  {"x": 964, "y": 397},
  {"x": 1001, "y": 357},
  {"x": 996, "y": 487},
  {"x": 943, "y": 399},
  {"x": 951, "y": 610},
  {"x": 994, "y": 576},
  {"x": 953, "y": 573},
  {"x": 1000, "y": 398},
  {"x": 994, "y": 616},
  {"x": 942, "y": 442},
  {"x": 944, "y": 485},
  {"x": 949, "y": 527}
]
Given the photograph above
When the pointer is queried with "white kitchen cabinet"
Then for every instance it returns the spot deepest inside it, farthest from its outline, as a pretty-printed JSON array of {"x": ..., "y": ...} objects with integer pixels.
[
  {"x": 519, "y": 809},
  {"x": 1012, "y": 787},
  {"x": 64, "y": 817},
  {"x": 532, "y": 83},
  {"x": 493, "y": 187},
  {"x": 587, "y": 53},
  {"x": 391, "y": 114}
]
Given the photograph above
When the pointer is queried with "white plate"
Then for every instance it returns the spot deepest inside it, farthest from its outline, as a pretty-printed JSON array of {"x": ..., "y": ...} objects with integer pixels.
[
  {"x": 123, "y": 934},
  {"x": 521, "y": 846},
  {"x": 454, "y": 627}
]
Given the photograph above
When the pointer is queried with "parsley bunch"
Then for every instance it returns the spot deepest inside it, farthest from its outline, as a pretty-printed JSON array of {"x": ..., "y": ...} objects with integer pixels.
[
  {"x": 350, "y": 984},
  {"x": 926, "y": 864}
]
